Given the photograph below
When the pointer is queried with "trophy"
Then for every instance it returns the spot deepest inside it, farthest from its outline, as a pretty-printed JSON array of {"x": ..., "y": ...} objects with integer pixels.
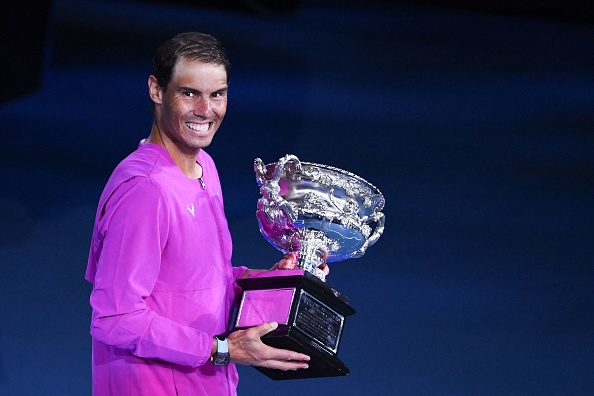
[{"x": 321, "y": 214}]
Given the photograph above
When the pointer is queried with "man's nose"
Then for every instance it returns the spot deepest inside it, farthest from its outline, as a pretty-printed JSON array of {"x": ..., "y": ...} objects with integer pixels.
[{"x": 203, "y": 107}]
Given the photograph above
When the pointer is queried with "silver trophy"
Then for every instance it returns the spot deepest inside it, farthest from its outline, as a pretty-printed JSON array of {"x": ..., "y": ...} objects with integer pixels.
[{"x": 321, "y": 214}]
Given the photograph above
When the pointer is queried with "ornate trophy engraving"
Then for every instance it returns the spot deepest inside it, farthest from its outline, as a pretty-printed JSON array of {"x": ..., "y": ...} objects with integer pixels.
[{"x": 323, "y": 215}]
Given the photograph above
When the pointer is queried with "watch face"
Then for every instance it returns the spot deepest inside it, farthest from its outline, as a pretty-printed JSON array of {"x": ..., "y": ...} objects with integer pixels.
[{"x": 221, "y": 359}]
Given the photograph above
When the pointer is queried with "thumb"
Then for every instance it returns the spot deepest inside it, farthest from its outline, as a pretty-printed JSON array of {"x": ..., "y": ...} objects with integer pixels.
[{"x": 266, "y": 328}]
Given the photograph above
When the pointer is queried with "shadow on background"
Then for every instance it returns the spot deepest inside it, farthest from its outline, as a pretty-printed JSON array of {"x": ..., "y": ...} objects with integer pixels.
[{"x": 476, "y": 127}]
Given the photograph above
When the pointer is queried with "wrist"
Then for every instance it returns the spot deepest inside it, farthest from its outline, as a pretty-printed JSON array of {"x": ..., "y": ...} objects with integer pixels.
[{"x": 220, "y": 354}]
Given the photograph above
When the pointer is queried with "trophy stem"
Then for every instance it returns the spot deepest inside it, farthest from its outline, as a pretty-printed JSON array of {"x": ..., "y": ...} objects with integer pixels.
[{"x": 311, "y": 253}]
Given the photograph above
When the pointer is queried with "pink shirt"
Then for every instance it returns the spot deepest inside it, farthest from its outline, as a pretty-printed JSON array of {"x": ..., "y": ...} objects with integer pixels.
[{"x": 163, "y": 284}]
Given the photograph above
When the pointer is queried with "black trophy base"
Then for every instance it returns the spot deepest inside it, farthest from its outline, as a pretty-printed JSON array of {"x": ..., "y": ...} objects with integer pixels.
[{"x": 310, "y": 321}]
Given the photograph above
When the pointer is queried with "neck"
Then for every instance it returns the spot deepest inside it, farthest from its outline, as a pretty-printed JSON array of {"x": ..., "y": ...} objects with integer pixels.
[{"x": 187, "y": 163}]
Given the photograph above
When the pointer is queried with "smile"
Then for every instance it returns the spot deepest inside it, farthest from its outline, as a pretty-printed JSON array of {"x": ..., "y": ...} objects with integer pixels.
[{"x": 198, "y": 127}]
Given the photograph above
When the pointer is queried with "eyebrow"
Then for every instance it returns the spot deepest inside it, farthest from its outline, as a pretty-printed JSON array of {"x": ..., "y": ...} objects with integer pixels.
[{"x": 195, "y": 91}]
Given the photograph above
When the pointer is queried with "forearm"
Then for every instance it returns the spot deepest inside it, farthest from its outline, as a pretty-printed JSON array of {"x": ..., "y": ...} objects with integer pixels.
[{"x": 148, "y": 335}]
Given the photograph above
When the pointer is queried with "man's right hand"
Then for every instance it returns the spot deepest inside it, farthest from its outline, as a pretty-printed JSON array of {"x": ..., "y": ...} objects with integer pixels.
[{"x": 246, "y": 347}]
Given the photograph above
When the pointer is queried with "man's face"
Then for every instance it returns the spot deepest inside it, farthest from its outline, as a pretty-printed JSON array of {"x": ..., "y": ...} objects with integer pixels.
[{"x": 192, "y": 108}]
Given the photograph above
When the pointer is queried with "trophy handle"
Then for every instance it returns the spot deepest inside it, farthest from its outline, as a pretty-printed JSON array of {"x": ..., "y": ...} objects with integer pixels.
[
  {"x": 379, "y": 219},
  {"x": 270, "y": 189}
]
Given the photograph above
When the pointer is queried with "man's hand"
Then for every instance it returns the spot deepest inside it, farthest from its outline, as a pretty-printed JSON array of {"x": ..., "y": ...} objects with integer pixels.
[
  {"x": 246, "y": 347},
  {"x": 289, "y": 260}
]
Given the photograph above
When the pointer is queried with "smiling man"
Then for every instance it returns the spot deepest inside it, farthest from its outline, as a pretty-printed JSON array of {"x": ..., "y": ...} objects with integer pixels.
[
  {"x": 160, "y": 257},
  {"x": 188, "y": 110}
]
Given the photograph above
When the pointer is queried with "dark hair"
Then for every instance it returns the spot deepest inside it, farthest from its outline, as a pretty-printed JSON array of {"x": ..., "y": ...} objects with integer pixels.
[{"x": 190, "y": 45}]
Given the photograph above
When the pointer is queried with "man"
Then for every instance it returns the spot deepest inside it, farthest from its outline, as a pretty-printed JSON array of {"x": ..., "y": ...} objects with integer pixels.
[{"x": 160, "y": 257}]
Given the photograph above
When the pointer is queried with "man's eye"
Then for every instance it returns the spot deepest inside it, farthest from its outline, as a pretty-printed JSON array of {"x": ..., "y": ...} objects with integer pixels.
[{"x": 189, "y": 94}]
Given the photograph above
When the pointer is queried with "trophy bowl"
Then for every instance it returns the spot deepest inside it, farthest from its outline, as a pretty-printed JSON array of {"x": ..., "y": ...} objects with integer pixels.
[{"x": 321, "y": 213}]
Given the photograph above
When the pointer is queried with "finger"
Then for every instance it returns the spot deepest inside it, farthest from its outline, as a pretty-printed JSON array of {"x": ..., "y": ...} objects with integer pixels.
[
  {"x": 284, "y": 359},
  {"x": 285, "y": 355},
  {"x": 288, "y": 261},
  {"x": 325, "y": 268},
  {"x": 291, "y": 256},
  {"x": 292, "y": 356},
  {"x": 280, "y": 265},
  {"x": 285, "y": 365},
  {"x": 287, "y": 264}
]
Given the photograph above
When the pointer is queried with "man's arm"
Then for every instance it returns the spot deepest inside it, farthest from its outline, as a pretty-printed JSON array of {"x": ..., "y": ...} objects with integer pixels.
[{"x": 133, "y": 236}]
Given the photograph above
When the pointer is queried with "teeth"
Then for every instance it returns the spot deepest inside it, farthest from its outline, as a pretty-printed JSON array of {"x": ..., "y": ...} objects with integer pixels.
[{"x": 198, "y": 127}]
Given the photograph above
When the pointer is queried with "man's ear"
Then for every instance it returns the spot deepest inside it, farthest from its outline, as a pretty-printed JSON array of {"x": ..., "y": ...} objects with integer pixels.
[{"x": 155, "y": 90}]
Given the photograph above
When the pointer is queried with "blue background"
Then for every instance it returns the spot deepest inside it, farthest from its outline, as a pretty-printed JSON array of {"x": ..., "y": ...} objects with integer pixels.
[{"x": 477, "y": 128}]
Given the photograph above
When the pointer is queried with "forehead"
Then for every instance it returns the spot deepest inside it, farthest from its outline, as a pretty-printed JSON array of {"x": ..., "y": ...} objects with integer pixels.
[{"x": 196, "y": 72}]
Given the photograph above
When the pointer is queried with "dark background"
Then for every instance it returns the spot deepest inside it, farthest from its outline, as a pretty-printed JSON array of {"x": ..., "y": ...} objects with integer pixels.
[{"x": 475, "y": 119}]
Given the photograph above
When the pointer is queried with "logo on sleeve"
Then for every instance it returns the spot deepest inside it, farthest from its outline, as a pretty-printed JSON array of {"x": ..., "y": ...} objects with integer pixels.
[{"x": 190, "y": 208}]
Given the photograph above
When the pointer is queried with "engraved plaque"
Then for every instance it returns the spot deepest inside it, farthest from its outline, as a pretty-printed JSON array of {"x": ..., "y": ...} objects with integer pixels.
[{"x": 319, "y": 321}]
